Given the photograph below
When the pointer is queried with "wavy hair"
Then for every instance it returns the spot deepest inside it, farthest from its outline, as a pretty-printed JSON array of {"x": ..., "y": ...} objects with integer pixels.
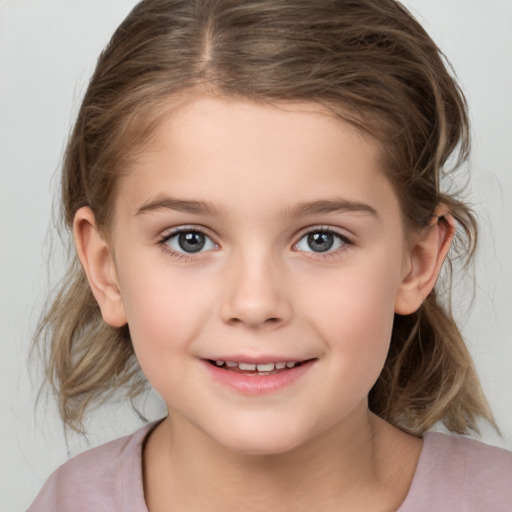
[{"x": 370, "y": 63}]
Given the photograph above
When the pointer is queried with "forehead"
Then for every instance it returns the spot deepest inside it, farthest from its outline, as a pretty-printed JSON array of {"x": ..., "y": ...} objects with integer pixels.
[{"x": 236, "y": 151}]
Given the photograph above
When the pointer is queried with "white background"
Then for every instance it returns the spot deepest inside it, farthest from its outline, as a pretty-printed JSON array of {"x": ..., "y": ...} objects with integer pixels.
[{"x": 47, "y": 52}]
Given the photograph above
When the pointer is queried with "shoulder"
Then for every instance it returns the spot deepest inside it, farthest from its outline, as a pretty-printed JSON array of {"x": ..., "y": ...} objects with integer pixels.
[
  {"x": 105, "y": 478},
  {"x": 456, "y": 473},
  {"x": 477, "y": 462}
]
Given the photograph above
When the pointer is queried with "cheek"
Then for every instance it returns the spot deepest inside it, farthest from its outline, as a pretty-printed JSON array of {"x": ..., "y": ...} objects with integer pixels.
[
  {"x": 164, "y": 314},
  {"x": 353, "y": 312}
]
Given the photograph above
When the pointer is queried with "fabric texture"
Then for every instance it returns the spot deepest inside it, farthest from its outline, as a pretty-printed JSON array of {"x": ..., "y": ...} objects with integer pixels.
[{"x": 454, "y": 474}]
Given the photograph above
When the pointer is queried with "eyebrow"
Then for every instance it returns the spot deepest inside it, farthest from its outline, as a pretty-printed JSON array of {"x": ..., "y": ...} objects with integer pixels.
[
  {"x": 180, "y": 205},
  {"x": 333, "y": 206},
  {"x": 306, "y": 208}
]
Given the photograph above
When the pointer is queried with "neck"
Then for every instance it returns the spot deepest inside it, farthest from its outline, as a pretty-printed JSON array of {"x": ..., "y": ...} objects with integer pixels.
[{"x": 188, "y": 469}]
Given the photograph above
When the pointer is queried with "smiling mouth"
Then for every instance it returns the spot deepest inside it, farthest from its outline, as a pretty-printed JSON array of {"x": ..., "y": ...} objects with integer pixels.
[{"x": 261, "y": 369}]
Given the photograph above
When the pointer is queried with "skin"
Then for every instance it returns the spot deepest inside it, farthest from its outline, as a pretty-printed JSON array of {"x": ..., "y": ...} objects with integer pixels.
[{"x": 256, "y": 180}]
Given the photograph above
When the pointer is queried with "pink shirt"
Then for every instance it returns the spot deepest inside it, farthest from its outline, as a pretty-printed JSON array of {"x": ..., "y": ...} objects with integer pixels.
[{"x": 454, "y": 474}]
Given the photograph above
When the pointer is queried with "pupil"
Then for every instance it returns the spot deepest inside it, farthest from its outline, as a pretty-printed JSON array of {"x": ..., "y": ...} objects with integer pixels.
[
  {"x": 320, "y": 242},
  {"x": 191, "y": 242}
]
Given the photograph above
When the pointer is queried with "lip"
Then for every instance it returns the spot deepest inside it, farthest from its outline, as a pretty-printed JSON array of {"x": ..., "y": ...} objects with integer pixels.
[{"x": 253, "y": 384}]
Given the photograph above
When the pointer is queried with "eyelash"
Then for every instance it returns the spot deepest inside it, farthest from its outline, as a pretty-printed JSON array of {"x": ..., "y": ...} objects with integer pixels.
[
  {"x": 184, "y": 256},
  {"x": 330, "y": 253}
]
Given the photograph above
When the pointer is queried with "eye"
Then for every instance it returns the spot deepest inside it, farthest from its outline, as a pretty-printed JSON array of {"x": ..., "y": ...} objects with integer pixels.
[
  {"x": 321, "y": 241},
  {"x": 189, "y": 241}
]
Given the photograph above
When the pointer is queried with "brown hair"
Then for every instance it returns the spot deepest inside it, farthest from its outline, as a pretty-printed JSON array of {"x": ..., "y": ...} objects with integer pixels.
[{"x": 371, "y": 64}]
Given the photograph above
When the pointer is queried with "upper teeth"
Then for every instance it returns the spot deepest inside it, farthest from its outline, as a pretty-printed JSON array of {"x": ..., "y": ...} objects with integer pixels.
[{"x": 264, "y": 367}]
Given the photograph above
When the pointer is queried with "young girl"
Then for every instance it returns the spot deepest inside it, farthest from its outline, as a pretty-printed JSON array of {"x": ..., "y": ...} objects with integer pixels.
[{"x": 254, "y": 193}]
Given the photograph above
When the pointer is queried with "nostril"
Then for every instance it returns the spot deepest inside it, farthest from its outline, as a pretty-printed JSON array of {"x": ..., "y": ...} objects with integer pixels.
[{"x": 268, "y": 321}]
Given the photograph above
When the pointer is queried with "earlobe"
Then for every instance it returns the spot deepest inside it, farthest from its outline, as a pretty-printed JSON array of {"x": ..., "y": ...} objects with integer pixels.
[
  {"x": 98, "y": 263},
  {"x": 424, "y": 261}
]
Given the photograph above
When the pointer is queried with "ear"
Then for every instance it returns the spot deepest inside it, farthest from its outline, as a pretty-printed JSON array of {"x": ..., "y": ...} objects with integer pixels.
[
  {"x": 423, "y": 262},
  {"x": 98, "y": 262}
]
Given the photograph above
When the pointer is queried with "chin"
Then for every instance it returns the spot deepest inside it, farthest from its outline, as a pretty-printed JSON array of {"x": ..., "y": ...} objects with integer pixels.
[{"x": 259, "y": 440}]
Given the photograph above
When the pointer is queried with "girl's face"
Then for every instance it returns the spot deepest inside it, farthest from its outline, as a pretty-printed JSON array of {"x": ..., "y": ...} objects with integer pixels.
[{"x": 249, "y": 234}]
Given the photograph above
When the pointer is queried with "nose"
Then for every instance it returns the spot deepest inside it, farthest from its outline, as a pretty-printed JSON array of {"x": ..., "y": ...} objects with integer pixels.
[{"x": 256, "y": 293}]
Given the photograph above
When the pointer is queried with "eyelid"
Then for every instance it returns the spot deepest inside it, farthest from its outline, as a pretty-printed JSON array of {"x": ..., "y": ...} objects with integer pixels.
[
  {"x": 169, "y": 233},
  {"x": 173, "y": 232},
  {"x": 185, "y": 228},
  {"x": 342, "y": 233},
  {"x": 347, "y": 240}
]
